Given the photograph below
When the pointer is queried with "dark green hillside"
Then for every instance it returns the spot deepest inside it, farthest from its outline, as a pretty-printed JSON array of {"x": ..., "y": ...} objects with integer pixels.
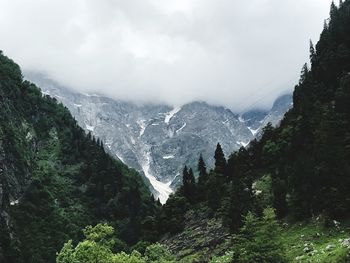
[
  {"x": 301, "y": 168},
  {"x": 55, "y": 179}
]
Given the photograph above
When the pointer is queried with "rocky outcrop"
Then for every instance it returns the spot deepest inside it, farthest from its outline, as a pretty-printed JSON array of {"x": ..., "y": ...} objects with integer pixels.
[{"x": 201, "y": 238}]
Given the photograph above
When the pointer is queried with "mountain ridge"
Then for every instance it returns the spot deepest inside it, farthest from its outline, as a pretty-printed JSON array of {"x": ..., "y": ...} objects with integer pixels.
[{"x": 157, "y": 139}]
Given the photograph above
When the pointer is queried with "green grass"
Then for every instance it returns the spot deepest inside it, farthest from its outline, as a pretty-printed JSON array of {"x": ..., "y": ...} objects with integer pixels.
[{"x": 311, "y": 242}]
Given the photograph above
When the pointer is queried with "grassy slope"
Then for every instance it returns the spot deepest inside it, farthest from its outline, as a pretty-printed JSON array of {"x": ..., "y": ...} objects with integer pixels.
[
  {"x": 311, "y": 242},
  {"x": 304, "y": 242}
]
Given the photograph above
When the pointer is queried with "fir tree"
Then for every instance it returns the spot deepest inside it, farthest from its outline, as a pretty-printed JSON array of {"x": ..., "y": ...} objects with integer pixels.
[
  {"x": 312, "y": 52},
  {"x": 304, "y": 73},
  {"x": 202, "y": 169},
  {"x": 259, "y": 240},
  {"x": 189, "y": 185},
  {"x": 220, "y": 161}
]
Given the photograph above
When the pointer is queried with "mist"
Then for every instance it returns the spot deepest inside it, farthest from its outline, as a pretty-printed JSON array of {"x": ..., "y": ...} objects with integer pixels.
[{"x": 239, "y": 54}]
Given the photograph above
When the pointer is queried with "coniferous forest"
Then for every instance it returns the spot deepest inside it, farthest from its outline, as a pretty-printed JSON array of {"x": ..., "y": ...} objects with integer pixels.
[{"x": 283, "y": 198}]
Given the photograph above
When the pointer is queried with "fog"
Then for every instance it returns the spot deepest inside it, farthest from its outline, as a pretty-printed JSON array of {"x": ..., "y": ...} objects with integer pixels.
[{"x": 239, "y": 54}]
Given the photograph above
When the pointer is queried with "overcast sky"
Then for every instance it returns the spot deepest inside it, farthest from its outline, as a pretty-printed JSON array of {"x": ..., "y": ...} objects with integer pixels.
[{"x": 239, "y": 54}]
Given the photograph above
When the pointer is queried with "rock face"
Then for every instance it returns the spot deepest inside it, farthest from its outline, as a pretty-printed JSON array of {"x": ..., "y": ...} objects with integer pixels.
[{"x": 158, "y": 140}]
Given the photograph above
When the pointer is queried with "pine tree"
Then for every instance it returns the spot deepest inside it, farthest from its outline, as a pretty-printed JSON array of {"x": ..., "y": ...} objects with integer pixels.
[
  {"x": 202, "y": 169},
  {"x": 236, "y": 208},
  {"x": 191, "y": 178},
  {"x": 185, "y": 175},
  {"x": 304, "y": 73},
  {"x": 189, "y": 185},
  {"x": 214, "y": 191},
  {"x": 333, "y": 11},
  {"x": 258, "y": 241},
  {"x": 220, "y": 161},
  {"x": 312, "y": 52},
  {"x": 202, "y": 179}
]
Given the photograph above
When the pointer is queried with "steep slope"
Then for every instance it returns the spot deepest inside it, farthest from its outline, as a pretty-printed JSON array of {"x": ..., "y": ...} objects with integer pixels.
[
  {"x": 55, "y": 179},
  {"x": 158, "y": 140}
]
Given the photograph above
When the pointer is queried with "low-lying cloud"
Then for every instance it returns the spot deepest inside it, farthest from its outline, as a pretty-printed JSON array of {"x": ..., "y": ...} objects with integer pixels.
[{"x": 240, "y": 54}]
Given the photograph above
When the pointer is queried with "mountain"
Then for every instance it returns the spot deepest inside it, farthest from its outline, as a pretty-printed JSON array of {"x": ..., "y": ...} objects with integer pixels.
[
  {"x": 158, "y": 140},
  {"x": 257, "y": 119},
  {"x": 55, "y": 179}
]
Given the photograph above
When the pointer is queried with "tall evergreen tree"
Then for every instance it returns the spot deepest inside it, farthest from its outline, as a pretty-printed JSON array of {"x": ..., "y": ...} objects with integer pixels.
[
  {"x": 189, "y": 185},
  {"x": 312, "y": 52},
  {"x": 220, "y": 161},
  {"x": 202, "y": 169}
]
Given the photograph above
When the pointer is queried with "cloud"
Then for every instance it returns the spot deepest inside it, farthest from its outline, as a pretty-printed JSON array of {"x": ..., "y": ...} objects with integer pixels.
[{"x": 239, "y": 54}]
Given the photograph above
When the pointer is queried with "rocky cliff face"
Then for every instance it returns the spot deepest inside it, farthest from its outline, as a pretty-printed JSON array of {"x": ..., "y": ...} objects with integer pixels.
[{"x": 158, "y": 140}]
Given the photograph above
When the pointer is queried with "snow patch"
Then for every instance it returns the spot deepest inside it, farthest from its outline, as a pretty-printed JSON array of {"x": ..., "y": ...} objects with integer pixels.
[
  {"x": 77, "y": 105},
  {"x": 168, "y": 157},
  {"x": 171, "y": 114},
  {"x": 89, "y": 127},
  {"x": 163, "y": 189},
  {"x": 254, "y": 132},
  {"x": 108, "y": 144},
  {"x": 244, "y": 144},
  {"x": 142, "y": 124},
  {"x": 120, "y": 158},
  {"x": 225, "y": 122},
  {"x": 91, "y": 95},
  {"x": 183, "y": 126},
  {"x": 58, "y": 97},
  {"x": 241, "y": 119},
  {"x": 46, "y": 93}
]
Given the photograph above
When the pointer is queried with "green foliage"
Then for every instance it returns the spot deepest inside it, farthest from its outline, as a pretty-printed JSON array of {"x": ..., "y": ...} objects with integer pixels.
[
  {"x": 98, "y": 247},
  {"x": 258, "y": 240},
  {"x": 189, "y": 185},
  {"x": 61, "y": 178},
  {"x": 134, "y": 257},
  {"x": 157, "y": 253},
  {"x": 172, "y": 215},
  {"x": 312, "y": 242},
  {"x": 101, "y": 233},
  {"x": 227, "y": 258}
]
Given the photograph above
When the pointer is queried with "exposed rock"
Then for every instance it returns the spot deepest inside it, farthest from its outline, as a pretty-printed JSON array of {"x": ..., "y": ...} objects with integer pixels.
[
  {"x": 330, "y": 247},
  {"x": 202, "y": 236},
  {"x": 345, "y": 243},
  {"x": 158, "y": 140}
]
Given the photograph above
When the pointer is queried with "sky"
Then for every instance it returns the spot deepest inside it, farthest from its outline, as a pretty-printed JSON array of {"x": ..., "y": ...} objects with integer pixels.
[{"x": 238, "y": 54}]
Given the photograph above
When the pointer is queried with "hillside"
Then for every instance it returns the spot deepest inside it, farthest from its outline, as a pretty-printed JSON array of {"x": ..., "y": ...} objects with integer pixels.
[
  {"x": 55, "y": 179},
  {"x": 301, "y": 168}
]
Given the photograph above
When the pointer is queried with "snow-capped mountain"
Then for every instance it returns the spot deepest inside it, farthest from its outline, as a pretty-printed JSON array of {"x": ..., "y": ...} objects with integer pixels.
[{"x": 158, "y": 140}]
